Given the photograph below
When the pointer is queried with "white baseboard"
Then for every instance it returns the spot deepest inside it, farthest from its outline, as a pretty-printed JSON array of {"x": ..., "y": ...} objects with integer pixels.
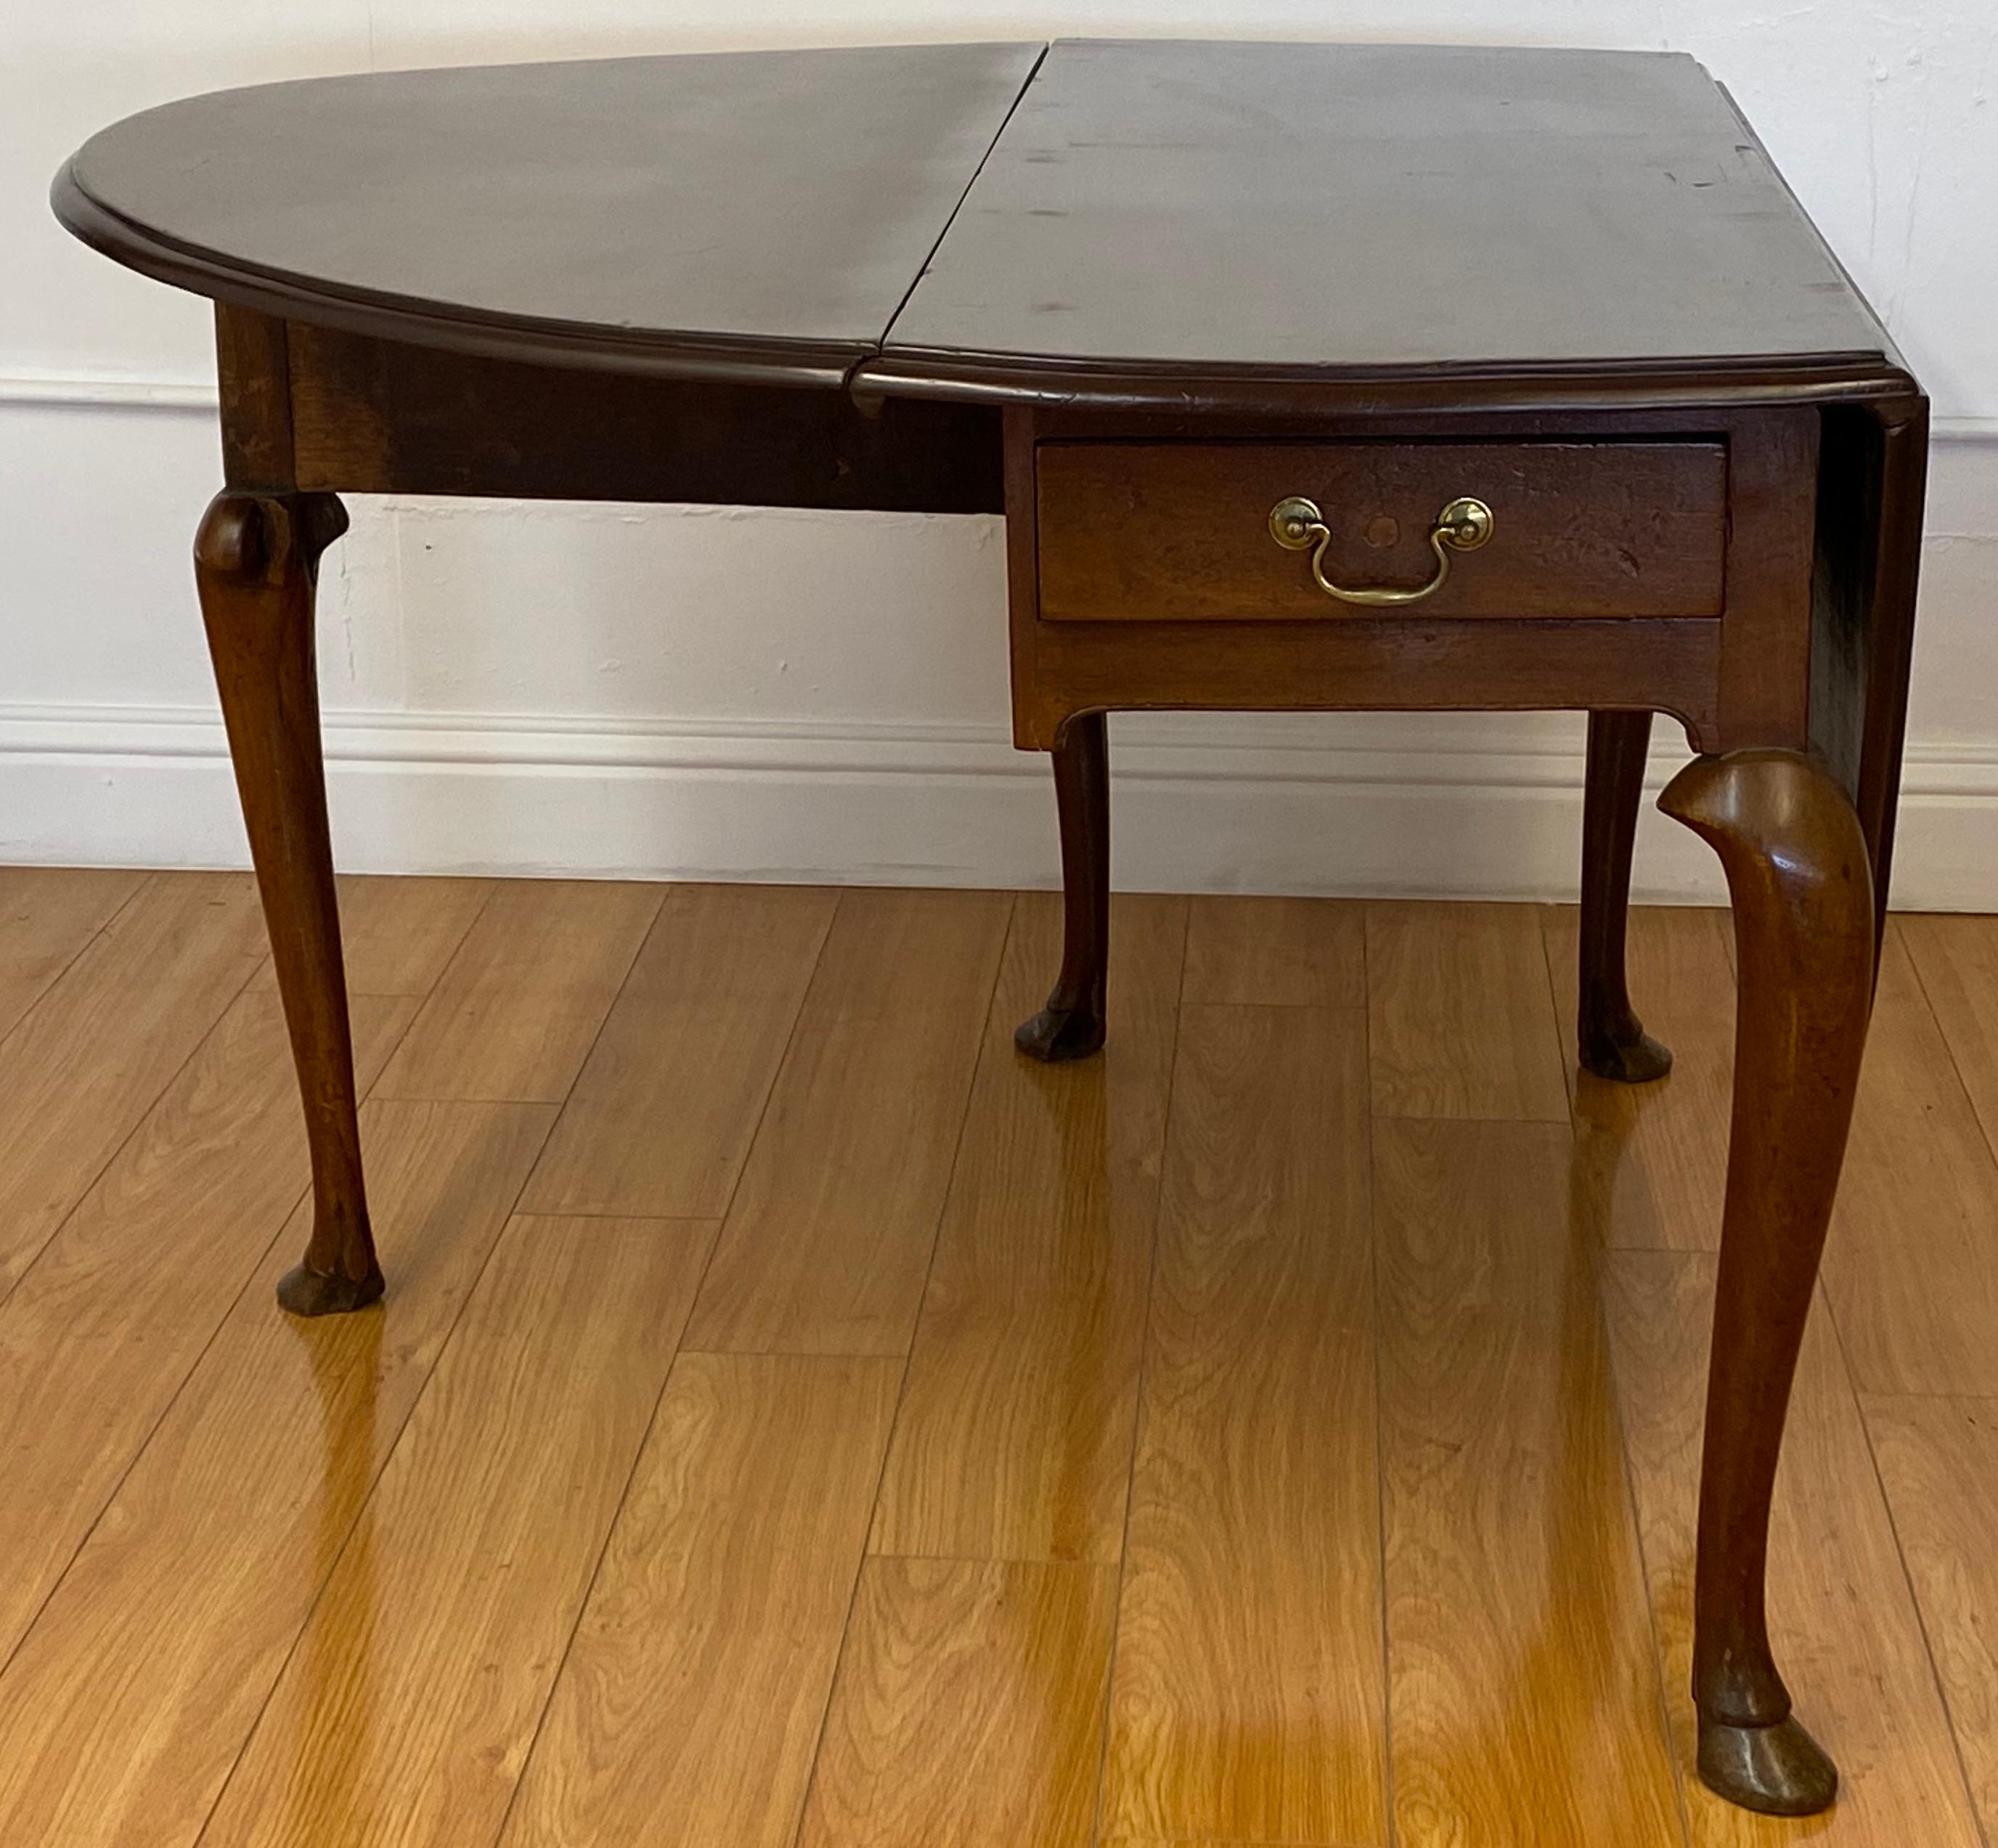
[{"x": 1487, "y": 806}]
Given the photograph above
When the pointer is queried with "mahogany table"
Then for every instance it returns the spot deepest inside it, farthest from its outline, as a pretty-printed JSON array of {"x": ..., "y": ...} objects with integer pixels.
[{"x": 1307, "y": 377}]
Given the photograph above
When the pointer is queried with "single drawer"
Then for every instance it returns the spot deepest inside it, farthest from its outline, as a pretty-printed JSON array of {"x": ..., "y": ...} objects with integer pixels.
[{"x": 1182, "y": 532}]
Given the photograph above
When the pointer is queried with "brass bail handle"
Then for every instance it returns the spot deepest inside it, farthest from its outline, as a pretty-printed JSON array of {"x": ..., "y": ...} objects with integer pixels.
[{"x": 1296, "y": 524}]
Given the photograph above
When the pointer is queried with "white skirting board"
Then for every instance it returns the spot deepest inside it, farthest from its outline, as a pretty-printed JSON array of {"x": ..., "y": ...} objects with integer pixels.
[
  {"x": 441, "y": 623},
  {"x": 1376, "y": 806}
]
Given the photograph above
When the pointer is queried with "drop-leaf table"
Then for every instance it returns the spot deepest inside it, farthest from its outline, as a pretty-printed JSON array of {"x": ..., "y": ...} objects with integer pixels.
[{"x": 1307, "y": 377}]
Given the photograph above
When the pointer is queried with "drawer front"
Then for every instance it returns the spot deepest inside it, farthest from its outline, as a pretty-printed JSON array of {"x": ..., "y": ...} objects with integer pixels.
[{"x": 1180, "y": 532}]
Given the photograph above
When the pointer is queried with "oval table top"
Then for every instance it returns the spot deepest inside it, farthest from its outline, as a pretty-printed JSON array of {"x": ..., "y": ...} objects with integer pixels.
[
  {"x": 769, "y": 208},
  {"x": 1106, "y": 220}
]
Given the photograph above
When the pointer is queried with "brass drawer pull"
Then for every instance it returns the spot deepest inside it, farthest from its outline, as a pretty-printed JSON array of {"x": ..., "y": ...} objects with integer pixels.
[{"x": 1462, "y": 526}]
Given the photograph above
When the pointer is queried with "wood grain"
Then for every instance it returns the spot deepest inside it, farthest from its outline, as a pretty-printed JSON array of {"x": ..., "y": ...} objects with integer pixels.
[
  {"x": 1956, "y": 959},
  {"x": 1247, "y": 1703},
  {"x": 1162, "y": 532},
  {"x": 397, "y": 932},
  {"x": 1524, "y": 1706},
  {"x": 514, "y": 1014},
  {"x": 1070, "y": 1023},
  {"x": 1874, "y": 587},
  {"x": 1938, "y": 1461},
  {"x": 405, "y": 1711},
  {"x": 48, "y": 915},
  {"x": 1799, "y": 883},
  {"x": 143, "y": 1666},
  {"x": 1167, "y": 206},
  {"x": 688, "y": 1710},
  {"x": 126, "y": 1704},
  {"x": 112, "y": 1317},
  {"x": 1611, "y": 1041},
  {"x": 642, "y": 207},
  {"x": 1839, "y": 1613},
  {"x": 1652, "y": 1158},
  {"x": 1765, "y": 641},
  {"x": 1911, "y": 1266},
  {"x": 253, "y": 380},
  {"x": 1460, "y": 1020},
  {"x": 141, "y": 998},
  {"x": 386, "y": 417},
  {"x": 827, "y": 1244},
  {"x": 662, "y": 1115},
  {"x": 1391, "y": 661},
  {"x": 256, "y": 558},
  {"x": 1276, "y": 952},
  {"x": 969, "y": 1707},
  {"x": 1013, "y": 1439}
]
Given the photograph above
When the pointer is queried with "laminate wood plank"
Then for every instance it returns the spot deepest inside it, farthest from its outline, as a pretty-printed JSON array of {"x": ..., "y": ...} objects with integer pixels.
[
  {"x": 1911, "y": 1265},
  {"x": 406, "y": 1711},
  {"x": 112, "y": 1317},
  {"x": 661, "y": 1117},
  {"x": 1843, "y": 1625},
  {"x": 1276, "y": 952},
  {"x": 968, "y": 1708},
  {"x": 1524, "y": 1706},
  {"x": 1461, "y": 1018},
  {"x": 131, "y": 1696},
  {"x": 398, "y": 933},
  {"x": 1651, "y": 1159},
  {"x": 515, "y": 1011},
  {"x": 78, "y": 1072},
  {"x": 1938, "y": 1461},
  {"x": 1013, "y": 1439},
  {"x": 47, "y": 915},
  {"x": 1957, "y": 960},
  {"x": 828, "y": 1241},
  {"x": 695, "y": 1685},
  {"x": 1246, "y": 1697}
]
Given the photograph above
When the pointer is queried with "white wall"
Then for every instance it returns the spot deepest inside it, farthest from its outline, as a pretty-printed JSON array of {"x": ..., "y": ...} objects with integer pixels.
[{"x": 684, "y": 690}]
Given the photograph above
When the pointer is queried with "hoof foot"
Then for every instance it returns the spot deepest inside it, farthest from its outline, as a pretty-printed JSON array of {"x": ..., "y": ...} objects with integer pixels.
[
  {"x": 1636, "y": 1060},
  {"x": 309, "y": 1292},
  {"x": 1056, "y": 1034},
  {"x": 1780, "y": 1770}
]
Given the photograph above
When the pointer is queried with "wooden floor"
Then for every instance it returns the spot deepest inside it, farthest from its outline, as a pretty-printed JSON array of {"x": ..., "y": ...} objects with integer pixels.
[{"x": 796, "y": 1419}]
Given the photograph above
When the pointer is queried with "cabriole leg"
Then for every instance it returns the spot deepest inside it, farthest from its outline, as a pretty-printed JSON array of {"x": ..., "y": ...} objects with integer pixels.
[
  {"x": 1798, "y": 874},
  {"x": 1071, "y": 1025},
  {"x": 1612, "y": 1040},
  {"x": 257, "y": 564}
]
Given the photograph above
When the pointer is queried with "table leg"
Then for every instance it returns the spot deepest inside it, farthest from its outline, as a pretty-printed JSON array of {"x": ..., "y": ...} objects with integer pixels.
[
  {"x": 1789, "y": 840},
  {"x": 1071, "y": 1025},
  {"x": 1612, "y": 1042},
  {"x": 257, "y": 564}
]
